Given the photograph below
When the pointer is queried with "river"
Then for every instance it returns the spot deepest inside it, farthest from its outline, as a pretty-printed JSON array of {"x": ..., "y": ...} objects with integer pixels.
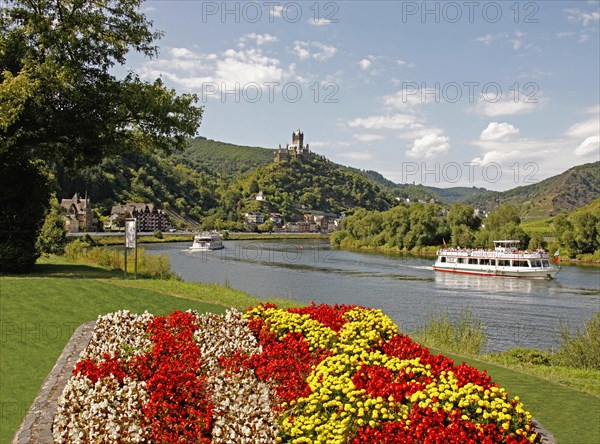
[{"x": 515, "y": 312}]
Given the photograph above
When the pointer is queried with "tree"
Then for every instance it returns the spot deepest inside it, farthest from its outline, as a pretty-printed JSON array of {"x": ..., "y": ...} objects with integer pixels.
[
  {"x": 62, "y": 106},
  {"x": 53, "y": 236},
  {"x": 502, "y": 223}
]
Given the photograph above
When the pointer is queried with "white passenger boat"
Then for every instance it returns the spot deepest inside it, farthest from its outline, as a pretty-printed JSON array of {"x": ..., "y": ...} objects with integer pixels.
[
  {"x": 207, "y": 241},
  {"x": 504, "y": 260}
]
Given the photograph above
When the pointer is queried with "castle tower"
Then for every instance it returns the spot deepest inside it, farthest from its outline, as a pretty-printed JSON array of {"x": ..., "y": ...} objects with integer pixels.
[{"x": 298, "y": 139}]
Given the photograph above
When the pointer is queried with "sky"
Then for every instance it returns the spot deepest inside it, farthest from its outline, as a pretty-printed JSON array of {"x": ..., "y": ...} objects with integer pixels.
[{"x": 467, "y": 93}]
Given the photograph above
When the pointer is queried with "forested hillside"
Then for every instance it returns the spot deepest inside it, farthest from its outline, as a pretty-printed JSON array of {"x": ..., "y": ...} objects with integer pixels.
[
  {"x": 572, "y": 189},
  {"x": 215, "y": 183}
]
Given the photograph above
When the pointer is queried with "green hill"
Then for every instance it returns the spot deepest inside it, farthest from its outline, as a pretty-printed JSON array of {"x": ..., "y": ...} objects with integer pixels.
[
  {"x": 572, "y": 189},
  {"x": 309, "y": 183},
  {"x": 223, "y": 158}
]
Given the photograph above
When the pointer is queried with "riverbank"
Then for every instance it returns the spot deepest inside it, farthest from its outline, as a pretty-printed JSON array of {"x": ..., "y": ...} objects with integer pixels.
[
  {"x": 108, "y": 239},
  {"x": 432, "y": 251}
]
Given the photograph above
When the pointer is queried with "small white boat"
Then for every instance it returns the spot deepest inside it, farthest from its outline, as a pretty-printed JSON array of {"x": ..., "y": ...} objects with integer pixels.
[
  {"x": 504, "y": 260},
  {"x": 207, "y": 241}
]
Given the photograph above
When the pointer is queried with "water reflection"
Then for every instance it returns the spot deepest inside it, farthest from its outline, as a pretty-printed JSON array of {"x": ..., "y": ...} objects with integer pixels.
[{"x": 465, "y": 282}]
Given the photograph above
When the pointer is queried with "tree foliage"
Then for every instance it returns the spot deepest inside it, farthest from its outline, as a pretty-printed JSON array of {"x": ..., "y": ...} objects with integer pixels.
[
  {"x": 53, "y": 236},
  {"x": 403, "y": 227},
  {"x": 60, "y": 103}
]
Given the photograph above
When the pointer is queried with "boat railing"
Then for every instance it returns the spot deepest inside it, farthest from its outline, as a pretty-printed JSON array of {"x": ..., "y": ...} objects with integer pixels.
[{"x": 492, "y": 254}]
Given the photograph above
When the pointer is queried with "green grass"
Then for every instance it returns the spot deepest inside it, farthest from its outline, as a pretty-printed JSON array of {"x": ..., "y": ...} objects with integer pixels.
[
  {"x": 571, "y": 416},
  {"x": 39, "y": 313}
]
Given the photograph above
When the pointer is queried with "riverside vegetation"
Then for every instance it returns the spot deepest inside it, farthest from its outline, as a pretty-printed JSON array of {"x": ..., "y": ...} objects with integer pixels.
[{"x": 422, "y": 225}]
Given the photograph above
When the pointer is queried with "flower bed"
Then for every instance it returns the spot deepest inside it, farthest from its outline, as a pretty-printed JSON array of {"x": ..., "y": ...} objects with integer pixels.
[{"x": 327, "y": 374}]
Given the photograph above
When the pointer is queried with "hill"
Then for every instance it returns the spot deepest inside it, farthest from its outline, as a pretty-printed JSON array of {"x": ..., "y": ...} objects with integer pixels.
[
  {"x": 309, "y": 183},
  {"x": 215, "y": 181},
  {"x": 572, "y": 189},
  {"x": 223, "y": 158}
]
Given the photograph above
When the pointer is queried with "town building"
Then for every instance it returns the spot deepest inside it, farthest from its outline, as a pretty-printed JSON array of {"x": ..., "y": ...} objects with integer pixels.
[
  {"x": 260, "y": 196},
  {"x": 294, "y": 150},
  {"x": 149, "y": 217},
  {"x": 78, "y": 214}
]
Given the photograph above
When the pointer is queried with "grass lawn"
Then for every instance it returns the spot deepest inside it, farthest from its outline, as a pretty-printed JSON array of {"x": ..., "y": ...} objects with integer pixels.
[{"x": 573, "y": 417}]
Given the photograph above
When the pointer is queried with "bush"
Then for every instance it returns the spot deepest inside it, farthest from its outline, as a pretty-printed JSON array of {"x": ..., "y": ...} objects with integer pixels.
[
  {"x": 582, "y": 349},
  {"x": 156, "y": 266},
  {"x": 157, "y": 234},
  {"x": 53, "y": 236},
  {"x": 465, "y": 335},
  {"x": 520, "y": 355}
]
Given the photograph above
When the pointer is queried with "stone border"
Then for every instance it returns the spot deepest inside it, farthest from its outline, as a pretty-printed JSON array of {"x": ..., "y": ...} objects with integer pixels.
[
  {"x": 37, "y": 424},
  {"x": 36, "y": 427}
]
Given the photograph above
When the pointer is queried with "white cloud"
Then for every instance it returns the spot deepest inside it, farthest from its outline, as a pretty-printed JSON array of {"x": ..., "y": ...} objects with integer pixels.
[
  {"x": 498, "y": 157},
  {"x": 326, "y": 51},
  {"x": 587, "y": 128},
  {"x": 583, "y": 38},
  {"x": 584, "y": 17},
  {"x": 429, "y": 146},
  {"x": 405, "y": 63},
  {"x": 316, "y": 50},
  {"x": 499, "y": 131},
  {"x": 589, "y": 146},
  {"x": 229, "y": 70},
  {"x": 508, "y": 104},
  {"x": 594, "y": 109},
  {"x": 365, "y": 64},
  {"x": 368, "y": 137},
  {"x": 389, "y": 121},
  {"x": 485, "y": 39},
  {"x": 260, "y": 39},
  {"x": 301, "y": 50},
  {"x": 320, "y": 22},
  {"x": 518, "y": 40}
]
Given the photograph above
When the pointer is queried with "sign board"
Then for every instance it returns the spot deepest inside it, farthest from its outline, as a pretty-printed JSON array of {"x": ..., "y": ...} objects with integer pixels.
[{"x": 130, "y": 233}]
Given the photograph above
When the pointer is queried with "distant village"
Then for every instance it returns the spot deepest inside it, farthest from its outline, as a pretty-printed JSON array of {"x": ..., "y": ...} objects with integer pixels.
[{"x": 79, "y": 214}]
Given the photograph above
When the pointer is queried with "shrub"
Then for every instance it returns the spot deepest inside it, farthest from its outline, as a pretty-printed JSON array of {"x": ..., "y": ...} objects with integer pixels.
[
  {"x": 156, "y": 266},
  {"x": 520, "y": 355},
  {"x": 465, "y": 335},
  {"x": 582, "y": 349},
  {"x": 157, "y": 234}
]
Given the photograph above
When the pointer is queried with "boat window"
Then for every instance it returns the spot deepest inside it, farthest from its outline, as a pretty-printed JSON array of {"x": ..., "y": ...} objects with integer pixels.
[
  {"x": 484, "y": 262},
  {"x": 503, "y": 263},
  {"x": 472, "y": 261},
  {"x": 520, "y": 264},
  {"x": 545, "y": 264},
  {"x": 536, "y": 264},
  {"x": 460, "y": 260},
  {"x": 443, "y": 259}
]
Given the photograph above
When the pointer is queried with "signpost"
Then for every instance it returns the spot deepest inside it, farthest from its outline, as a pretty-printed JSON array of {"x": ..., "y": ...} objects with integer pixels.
[{"x": 131, "y": 242}]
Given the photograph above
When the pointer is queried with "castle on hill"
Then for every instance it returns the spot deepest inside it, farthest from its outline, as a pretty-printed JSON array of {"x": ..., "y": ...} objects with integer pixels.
[{"x": 294, "y": 150}]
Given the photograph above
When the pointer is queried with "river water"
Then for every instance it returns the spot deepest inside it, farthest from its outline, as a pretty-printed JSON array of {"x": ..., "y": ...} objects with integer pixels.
[{"x": 515, "y": 312}]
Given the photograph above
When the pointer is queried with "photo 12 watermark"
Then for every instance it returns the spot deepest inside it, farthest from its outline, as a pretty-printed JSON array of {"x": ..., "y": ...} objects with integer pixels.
[
  {"x": 471, "y": 172},
  {"x": 269, "y": 12},
  {"x": 271, "y": 92},
  {"x": 469, "y": 12},
  {"x": 35, "y": 331},
  {"x": 470, "y": 91}
]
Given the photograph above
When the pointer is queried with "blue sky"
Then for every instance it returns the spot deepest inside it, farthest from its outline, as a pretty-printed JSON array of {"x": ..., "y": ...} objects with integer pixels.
[{"x": 492, "y": 94}]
